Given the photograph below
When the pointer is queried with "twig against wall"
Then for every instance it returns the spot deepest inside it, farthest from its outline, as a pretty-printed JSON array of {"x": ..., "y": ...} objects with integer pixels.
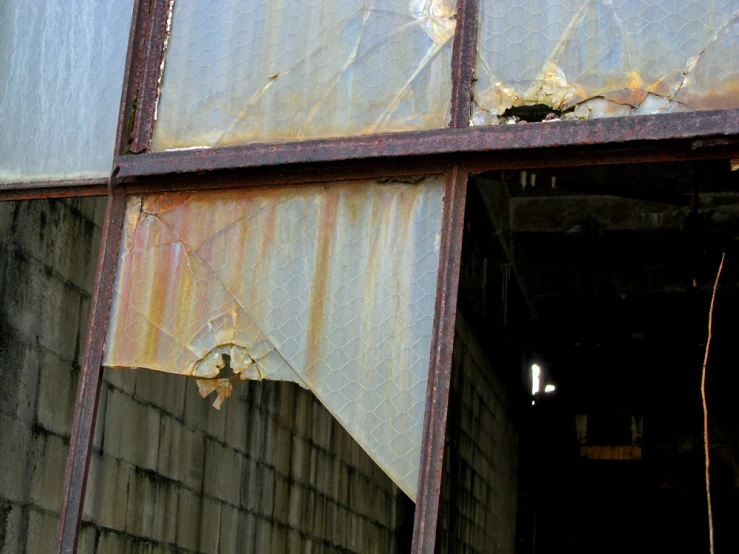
[{"x": 705, "y": 408}]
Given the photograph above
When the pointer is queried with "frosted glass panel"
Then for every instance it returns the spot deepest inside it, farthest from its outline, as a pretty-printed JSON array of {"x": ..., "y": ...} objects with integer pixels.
[
  {"x": 332, "y": 288},
  {"x": 603, "y": 58},
  {"x": 271, "y": 70},
  {"x": 61, "y": 74}
]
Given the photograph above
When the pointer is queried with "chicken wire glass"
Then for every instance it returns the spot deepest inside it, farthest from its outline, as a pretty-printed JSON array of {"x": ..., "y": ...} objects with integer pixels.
[
  {"x": 270, "y": 70},
  {"x": 61, "y": 73},
  {"x": 331, "y": 287},
  {"x": 602, "y": 58}
]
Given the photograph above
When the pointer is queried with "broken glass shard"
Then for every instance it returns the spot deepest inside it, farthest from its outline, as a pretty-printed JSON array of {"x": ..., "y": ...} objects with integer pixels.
[
  {"x": 330, "y": 287},
  {"x": 61, "y": 71},
  {"x": 267, "y": 70},
  {"x": 604, "y": 58}
]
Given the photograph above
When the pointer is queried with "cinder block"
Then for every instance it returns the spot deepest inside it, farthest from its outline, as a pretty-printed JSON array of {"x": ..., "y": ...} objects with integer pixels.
[
  {"x": 41, "y": 531},
  {"x": 319, "y": 517},
  {"x": 342, "y": 489},
  {"x": 294, "y": 542},
  {"x": 334, "y": 478},
  {"x": 151, "y": 510},
  {"x": 99, "y": 213},
  {"x": 341, "y": 527},
  {"x": 181, "y": 453},
  {"x": 97, "y": 440},
  {"x": 113, "y": 542},
  {"x": 295, "y": 506},
  {"x": 19, "y": 369},
  {"x": 11, "y": 522},
  {"x": 322, "y": 427},
  {"x": 307, "y": 510},
  {"x": 267, "y": 490},
  {"x": 279, "y": 539},
  {"x": 282, "y": 453},
  {"x": 44, "y": 310},
  {"x": 303, "y": 412},
  {"x": 224, "y": 469},
  {"x": 84, "y": 318},
  {"x": 268, "y": 455},
  {"x": 231, "y": 537},
  {"x": 384, "y": 508},
  {"x": 50, "y": 460},
  {"x": 287, "y": 403},
  {"x": 84, "y": 205},
  {"x": 248, "y": 525},
  {"x": 282, "y": 499},
  {"x": 93, "y": 252},
  {"x": 323, "y": 472},
  {"x": 88, "y": 540},
  {"x": 164, "y": 390},
  {"x": 57, "y": 393},
  {"x": 237, "y": 414},
  {"x": 256, "y": 432},
  {"x": 210, "y": 526},
  {"x": 131, "y": 430},
  {"x": 124, "y": 379},
  {"x": 263, "y": 542},
  {"x": 107, "y": 492},
  {"x": 59, "y": 236},
  {"x": 300, "y": 460},
  {"x": 15, "y": 465},
  {"x": 189, "y": 516}
]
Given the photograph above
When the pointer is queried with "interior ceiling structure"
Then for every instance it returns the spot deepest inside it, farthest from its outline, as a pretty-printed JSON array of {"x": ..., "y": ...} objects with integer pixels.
[{"x": 623, "y": 252}]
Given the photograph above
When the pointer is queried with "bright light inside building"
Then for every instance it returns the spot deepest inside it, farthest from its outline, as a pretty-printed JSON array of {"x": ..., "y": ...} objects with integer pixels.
[
  {"x": 549, "y": 388},
  {"x": 535, "y": 376}
]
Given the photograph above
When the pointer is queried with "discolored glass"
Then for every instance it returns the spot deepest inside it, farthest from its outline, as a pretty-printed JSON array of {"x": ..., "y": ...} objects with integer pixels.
[
  {"x": 581, "y": 59},
  {"x": 266, "y": 70},
  {"x": 61, "y": 74},
  {"x": 331, "y": 287}
]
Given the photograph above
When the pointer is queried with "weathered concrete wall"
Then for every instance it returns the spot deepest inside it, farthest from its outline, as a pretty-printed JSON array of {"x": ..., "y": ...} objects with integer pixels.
[
  {"x": 480, "y": 486},
  {"x": 271, "y": 472},
  {"x": 48, "y": 251}
]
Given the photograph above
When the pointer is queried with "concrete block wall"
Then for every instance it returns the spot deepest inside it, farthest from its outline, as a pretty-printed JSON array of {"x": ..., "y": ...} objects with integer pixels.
[
  {"x": 271, "y": 472},
  {"x": 48, "y": 251},
  {"x": 480, "y": 483}
]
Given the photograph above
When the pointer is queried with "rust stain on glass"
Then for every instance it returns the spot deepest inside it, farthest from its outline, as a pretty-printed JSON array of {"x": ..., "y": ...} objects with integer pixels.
[
  {"x": 541, "y": 60},
  {"x": 330, "y": 287},
  {"x": 292, "y": 70}
]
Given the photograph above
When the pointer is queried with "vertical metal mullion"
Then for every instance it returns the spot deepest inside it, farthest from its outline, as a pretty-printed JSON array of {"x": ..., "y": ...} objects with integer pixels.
[
  {"x": 442, "y": 342},
  {"x": 463, "y": 62},
  {"x": 437, "y": 393},
  {"x": 88, "y": 391},
  {"x": 141, "y": 78},
  {"x": 147, "y": 79}
]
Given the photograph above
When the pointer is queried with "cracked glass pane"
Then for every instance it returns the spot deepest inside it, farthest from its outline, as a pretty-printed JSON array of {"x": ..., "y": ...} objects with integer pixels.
[
  {"x": 61, "y": 71},
  {"x": 330, "y": 287},
  {"x": 584, "y": 59},
  {"x": 268, "y": 70}
]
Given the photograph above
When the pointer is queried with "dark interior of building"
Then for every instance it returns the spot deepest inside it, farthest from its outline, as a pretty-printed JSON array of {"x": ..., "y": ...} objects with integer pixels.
[{"x": 602, "y": 279}]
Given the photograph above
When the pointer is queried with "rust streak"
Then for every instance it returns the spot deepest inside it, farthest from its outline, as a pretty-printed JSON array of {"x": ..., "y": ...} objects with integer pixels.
[{"x": 317, "y": 298}]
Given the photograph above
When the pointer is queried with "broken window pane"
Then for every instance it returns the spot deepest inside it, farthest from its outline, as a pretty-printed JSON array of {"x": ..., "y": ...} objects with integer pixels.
[
  {"x": 604, "y": 58},
  {"x": 330, "y": 287},
  {"x": 61, "y": 71},
  {"x": 268, "y": 70}
]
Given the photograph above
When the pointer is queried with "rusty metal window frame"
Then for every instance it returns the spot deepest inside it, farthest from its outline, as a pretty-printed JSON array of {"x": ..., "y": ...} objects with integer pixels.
[{"x": 455, "y": 151}]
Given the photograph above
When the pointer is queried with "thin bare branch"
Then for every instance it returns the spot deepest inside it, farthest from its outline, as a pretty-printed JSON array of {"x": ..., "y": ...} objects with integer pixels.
[{"x": 705, "y": 408}]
